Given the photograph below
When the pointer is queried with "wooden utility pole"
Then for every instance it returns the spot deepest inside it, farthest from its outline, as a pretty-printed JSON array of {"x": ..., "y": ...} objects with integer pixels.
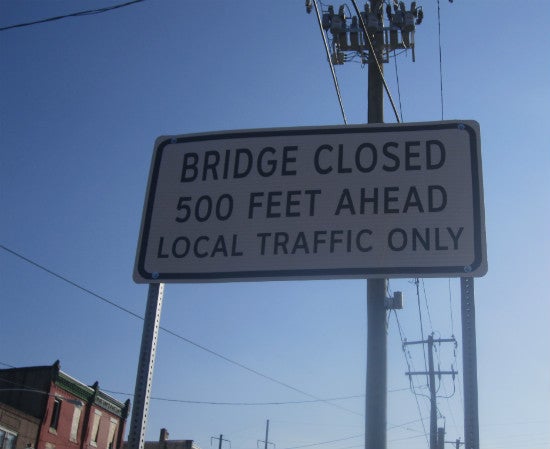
[
  {"x": 220, "y": 441},
  {"x": 457, "y": 443},
  {"x": 376, "y": 388},
  {"x": 431, "y": 373},
  {"x": 266, "y": 441},
  {"x": 433, "y": 398}
]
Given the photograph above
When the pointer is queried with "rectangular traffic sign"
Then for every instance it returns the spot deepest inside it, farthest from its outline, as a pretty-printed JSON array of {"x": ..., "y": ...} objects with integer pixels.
[{"x": 357, "y": 201}]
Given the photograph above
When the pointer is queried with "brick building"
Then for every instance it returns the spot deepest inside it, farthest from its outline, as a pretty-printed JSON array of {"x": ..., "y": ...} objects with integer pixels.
[{"x": 44, "y": 408}]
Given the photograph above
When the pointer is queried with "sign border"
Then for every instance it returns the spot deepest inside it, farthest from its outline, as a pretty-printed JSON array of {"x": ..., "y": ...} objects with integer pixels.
[{"x": 141, "y": 275}]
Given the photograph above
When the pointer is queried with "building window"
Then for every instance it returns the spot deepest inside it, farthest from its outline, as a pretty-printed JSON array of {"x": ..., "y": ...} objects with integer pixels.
[
  {"x": 7, "y": 439},
  {"x": 55, "y": 414},
  {"x": 76, "y": 421},
  {"x": 95, "y": 428},
  {"x": 111, "y": 443}
]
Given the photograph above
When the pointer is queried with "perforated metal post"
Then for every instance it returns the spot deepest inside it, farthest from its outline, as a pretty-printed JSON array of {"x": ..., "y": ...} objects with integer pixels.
[
  {"x": 144, "y": 377},
  {"x": 469, "y": 363}
]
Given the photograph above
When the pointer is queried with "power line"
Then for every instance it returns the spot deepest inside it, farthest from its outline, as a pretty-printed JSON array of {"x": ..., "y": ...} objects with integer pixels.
[
  {"x": 417, "y": 282},
  {"x": 451, "y": 308},
  {"x": 326, "y": 442},
  {"x": 398, "y": 86},
  {"x": 7, "y": 364},
  {"x": 74, "y": 14},
  {"x": 427, "y": 306},
  {"x": 197, "y": 345},
  {"x": 373, "y": 54},
  {"x": 403, "y": 340},
  {"x": 23, "y": 387}
]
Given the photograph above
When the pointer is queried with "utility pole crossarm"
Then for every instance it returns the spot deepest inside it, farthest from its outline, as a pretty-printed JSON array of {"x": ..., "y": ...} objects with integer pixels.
[
  {"x": 434, "y": 340},
  {"x": 425, "y": 373},
  {"x": 457, "y": 443},
  {"x": 221, "y": 440}
]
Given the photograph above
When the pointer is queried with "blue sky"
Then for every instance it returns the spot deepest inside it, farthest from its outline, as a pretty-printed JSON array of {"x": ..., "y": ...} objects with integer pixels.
[{"x": 83, "y": 100}]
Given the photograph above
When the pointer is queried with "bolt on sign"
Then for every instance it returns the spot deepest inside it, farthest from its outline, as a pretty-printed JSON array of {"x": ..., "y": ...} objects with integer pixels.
[{"x": 380, "y": 200}]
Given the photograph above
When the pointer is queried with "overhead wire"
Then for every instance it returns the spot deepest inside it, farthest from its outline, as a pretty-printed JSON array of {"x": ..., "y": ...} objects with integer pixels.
[
  {"x": 403, "y": 340},
  {"x": 24, "y": 387},
  {"x": 173, "y": 333},
  {"x": 427, "y": 306},
  {"x": 34, "y": 390},
  {"x": 326, "y": 442},
  {"x": 421, "y": 321},
  {"x": 446, "y": 395},
  {"x": 451, "y": 307},
  {"x": 398, "y": 86},
  {"x": 7, "y": 364},
  {"x": 74, "y": 14},
  {"x": 376, "y": 61}
]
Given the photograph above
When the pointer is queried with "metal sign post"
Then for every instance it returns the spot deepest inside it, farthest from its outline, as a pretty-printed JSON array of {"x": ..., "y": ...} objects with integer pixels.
[
  {"x": 469, "y": 363},
  {"x": 144, "y": 377}
]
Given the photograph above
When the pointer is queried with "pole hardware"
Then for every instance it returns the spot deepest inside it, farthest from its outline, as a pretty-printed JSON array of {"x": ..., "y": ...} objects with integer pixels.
[
  {"x": 457, "y": 443},
  {"x": 348, "y": 37},
  {"x": 441, "y": 438},
  {"x": 220, "y": 441},
  {"x": 395, "y": 302}
]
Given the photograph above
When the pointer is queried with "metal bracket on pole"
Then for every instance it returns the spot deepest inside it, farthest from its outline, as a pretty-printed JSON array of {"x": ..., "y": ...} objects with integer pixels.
[
  {"x": 469, "y": 363},
  {"x": 395, "y": 302},
  {"x": 144, "y": 377}
]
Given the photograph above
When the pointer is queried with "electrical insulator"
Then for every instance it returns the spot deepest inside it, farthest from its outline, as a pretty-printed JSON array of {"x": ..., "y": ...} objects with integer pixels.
[
  {"x": 354, "y": 34},
  {"x": 326, "y": 21},
  {"x": 337, "y": 25},
  {"x": 342, "y": 12},
  {"x": 309, "y": 5},
  {"x": 408, "y": 24},
  {"x": 419, "y": 17},
  {"x": 337, "y": 58},
  {"x": 373, "y": 24}
]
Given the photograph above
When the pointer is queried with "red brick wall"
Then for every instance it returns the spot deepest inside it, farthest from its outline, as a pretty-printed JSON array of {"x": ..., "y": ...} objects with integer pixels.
[{"x": 60, "y": 438}]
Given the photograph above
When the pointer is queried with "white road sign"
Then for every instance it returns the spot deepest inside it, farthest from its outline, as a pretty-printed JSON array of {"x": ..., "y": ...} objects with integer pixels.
[{"x": 314, "y": 203}]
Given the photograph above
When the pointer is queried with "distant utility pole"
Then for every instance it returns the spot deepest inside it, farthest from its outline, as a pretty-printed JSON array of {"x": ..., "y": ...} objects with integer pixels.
[
  {"x": 457, "y": 443},
  {"x": 221, "y": 440},
  {"x": 364, "y": 35},
  {"x": 431, "y": 373},
  {"x": 266, "y": 441}
]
